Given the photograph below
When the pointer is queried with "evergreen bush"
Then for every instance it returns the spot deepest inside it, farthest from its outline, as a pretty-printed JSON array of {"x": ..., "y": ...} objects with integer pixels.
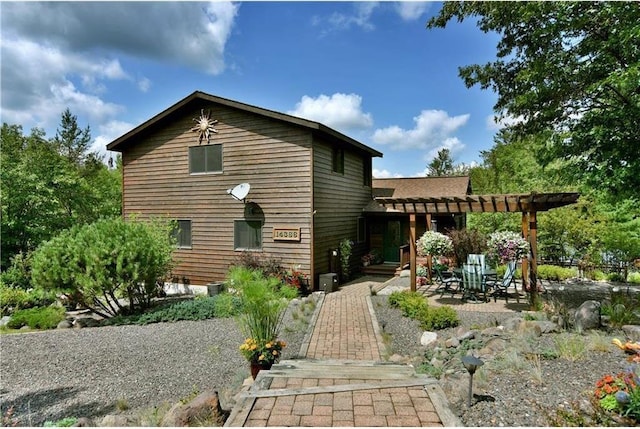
[
  {"x": 104, "y": 261},
  {"x": 37, "y": 318}
]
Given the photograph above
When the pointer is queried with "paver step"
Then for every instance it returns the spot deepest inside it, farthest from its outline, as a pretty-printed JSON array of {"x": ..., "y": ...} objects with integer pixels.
[{"x": 339, "y": 369}]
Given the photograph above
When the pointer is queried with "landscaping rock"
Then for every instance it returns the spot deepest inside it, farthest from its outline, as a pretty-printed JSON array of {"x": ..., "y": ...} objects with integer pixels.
[
  {"x": 116, "y": 420},
  {"x": 65, "y": 324},
  {"x": 4, "y": 320},
  {"x": 512, "y": 324},
  {"x": 492, "y": 347},
  {"x": 85, "y": 322},
  {"x": 467, "y": 335},
  {"x": 547, "y": 327},
  {"x": 493, "y": 331},
  {"x": 83, "y": 422},
  {"x": 428, "y": 338},
  {"x": 632, "y": 332},
  {"x": 529, "y": 328},
  {"x": 204, "y": 409},
  {"x": 587, "y": 316},
  {"x": 452, "y": 343}
]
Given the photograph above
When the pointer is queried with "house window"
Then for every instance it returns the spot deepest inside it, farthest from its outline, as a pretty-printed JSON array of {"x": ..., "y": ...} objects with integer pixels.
[
  {"x": 182, "y": 234},
  {"x": 366, "y": 171},
  {"x": 362, "y": 230},
  {"x": 247, "y": 235},
  {"x": 338, "y": 160},
  {"x": 205, "y": 159}
]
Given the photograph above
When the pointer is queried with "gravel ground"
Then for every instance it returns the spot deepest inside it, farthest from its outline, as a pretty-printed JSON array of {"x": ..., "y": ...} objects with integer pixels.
[
  {"x": 517, "y": 393},
  {"x": 85, "y": 372}
]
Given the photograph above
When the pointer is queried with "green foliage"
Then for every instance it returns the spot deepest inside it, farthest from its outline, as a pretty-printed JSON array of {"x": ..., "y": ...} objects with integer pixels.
[
  {"x": 49, "y": 186},
  {"x": 263, "y": 304},
  {"x": 622, "y": 309},
  {"x": 346, "y": 249},
  {"x": 570, "y": 69},
  {"x": 441, "y": 165},
  {"x": 18, "y": 275},
  {"x": 414, "y": 306},
  {"x": 440, "y": 318},
  {"x": 12, "y": 299},
  {"x": 553, "y": 272},
  {"x": 227, "y": 305},
  {"x": 62, "y": 423},
  {"x": 634, "y": 277},
  {"x": 37, "y": 318},
  {"x": 570, "y": 347},
  {"x": 465, "y": 242},
  {"x": 104, "y": 260}
]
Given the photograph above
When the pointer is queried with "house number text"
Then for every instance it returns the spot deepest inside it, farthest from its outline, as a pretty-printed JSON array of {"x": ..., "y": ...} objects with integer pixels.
[{"x": 286, "y": 234}]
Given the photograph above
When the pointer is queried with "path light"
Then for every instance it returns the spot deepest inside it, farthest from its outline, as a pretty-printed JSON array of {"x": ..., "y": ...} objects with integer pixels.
[{"x": 471, "y": 363}]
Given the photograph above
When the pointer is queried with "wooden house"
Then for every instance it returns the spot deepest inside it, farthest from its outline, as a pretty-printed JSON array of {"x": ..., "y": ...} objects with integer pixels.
[{"x": 308, "y": 185}]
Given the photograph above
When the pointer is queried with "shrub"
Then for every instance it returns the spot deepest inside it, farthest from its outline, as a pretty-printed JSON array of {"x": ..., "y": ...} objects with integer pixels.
[
  {"x": 12, "y": 299},
  {"x": 227, "y": 305},
  {"x": 414, "y": 306},
  {"x": 37, "y": 318},
  {"x": 634, "y": 277},
  {"x": 346, "y": 249},
  {"x": 555, "y": 273},
  {"x": 18, "y": 275},
  {"x": 105, "y": 260},
  {"x": 467, "y": 242},
  {"x": 622, "y": 309},
  {"x": 440, "y": 318}
]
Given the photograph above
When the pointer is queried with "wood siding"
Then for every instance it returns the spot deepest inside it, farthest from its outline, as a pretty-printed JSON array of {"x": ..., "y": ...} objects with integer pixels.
[
  {"x": 338, "y": 201},
  {"x": 273, "y": 156}
]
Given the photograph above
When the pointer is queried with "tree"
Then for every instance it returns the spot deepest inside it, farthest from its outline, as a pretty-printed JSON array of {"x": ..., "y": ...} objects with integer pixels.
[
  {"x": 571, "y": 69},
  {"x": 72, "y": 142},
  {"x": 441, "y": 165},
  {"x": 49, "y": 185}
]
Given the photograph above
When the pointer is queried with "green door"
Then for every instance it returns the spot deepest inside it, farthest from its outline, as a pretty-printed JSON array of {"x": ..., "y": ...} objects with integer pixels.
[{"x": 392, "y": 241}]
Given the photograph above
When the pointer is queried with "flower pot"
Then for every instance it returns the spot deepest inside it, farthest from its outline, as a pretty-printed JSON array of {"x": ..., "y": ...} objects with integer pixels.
[{"x": 257, "y": 367}]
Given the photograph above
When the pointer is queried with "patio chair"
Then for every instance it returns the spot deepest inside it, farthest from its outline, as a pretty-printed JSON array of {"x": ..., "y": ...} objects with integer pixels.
[
  {"x": 472, "y": 283},
  {"x": 477, "y": 259},
  {"x": 446, "y": 280},
  {"x": 500, "y": 286}
]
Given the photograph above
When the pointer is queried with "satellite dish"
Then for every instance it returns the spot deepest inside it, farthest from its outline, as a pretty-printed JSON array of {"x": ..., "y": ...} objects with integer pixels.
[{"x": 240, "y": 192}]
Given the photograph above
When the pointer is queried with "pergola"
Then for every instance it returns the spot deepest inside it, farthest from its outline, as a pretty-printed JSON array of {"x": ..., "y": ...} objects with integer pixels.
[{"x": 527, "y": 204}]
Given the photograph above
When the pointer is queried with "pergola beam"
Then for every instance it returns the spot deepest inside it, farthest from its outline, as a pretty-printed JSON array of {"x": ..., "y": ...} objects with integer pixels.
[{"x": 527, "y": 204}]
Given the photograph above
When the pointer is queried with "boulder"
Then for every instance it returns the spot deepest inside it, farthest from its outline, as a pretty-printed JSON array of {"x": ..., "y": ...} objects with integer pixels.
[
  {"x": 428, "y": 338},
  {"x": 4, "y": 320},
  {"x": 85, "y": 322},
  {"x": 512, "y": 324},
  {"x": 83, "y": 422},
  {"x": 547, "y": 327},
  {"x": 452, "y": 343},
  {"x": 632, "y": 332},
  {"x": 204, "y": 409},
  {"x": 587, "y": 316},
  {"x": 116, "y": 420},
  {"x": 467, "y": 335},
  {"x": 493, "y": 331},
  {"x": 529, "y": 328},
  {"x": 65, "y": 324}
]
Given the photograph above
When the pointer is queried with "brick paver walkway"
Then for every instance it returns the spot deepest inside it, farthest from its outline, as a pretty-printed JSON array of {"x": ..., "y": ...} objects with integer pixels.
[{"x": 343, "y": 381}]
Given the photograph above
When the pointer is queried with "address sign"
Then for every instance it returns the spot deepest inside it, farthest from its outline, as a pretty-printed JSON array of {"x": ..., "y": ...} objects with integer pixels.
[{"x": 286, "y": 234}]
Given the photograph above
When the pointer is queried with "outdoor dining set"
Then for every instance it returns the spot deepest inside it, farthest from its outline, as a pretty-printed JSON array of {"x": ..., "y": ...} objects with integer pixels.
[{"x": 476, "y": 280}]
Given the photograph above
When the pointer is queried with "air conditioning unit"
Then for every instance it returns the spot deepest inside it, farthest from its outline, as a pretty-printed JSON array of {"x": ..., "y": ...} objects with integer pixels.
[{"x": 329, "y": 282}]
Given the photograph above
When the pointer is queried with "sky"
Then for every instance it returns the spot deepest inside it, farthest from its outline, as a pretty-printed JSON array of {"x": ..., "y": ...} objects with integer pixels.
[{"x": 370, "y": 70}]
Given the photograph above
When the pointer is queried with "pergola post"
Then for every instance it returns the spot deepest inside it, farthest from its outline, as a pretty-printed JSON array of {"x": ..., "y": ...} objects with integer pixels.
[
  {"x": 525, "y": 259},
  {"x": 533, "y": 240},
  {"x": 429, "y": 257},
  {"x": 412, "y": 251}
]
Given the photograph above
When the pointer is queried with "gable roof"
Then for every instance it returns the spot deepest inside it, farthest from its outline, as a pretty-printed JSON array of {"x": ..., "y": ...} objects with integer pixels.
[
  {"x": 158, "y": 120},
  {"x": 421, "y": 187}
]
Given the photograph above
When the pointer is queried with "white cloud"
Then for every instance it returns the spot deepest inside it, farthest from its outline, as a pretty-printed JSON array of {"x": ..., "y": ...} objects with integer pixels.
[
  {"x": 340, "y": 111},
  {"x": 361, "y": 17},
  {"x": 454, "y": 145},
  {"x": 432, "y": 130},
  {"x": 109, "y": 131},
  {"x": 384, "y": 174},
  {"x": 144, "y": 84},
  {"x": 496, "y": 123},
  {"x": 411, "y": 10}
]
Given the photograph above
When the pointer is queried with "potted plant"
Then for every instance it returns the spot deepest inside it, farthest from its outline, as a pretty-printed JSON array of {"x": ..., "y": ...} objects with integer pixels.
[
  {"x": 261, "y": 354},
  {"x": 261, "y": 318},
  {"x": 434, "y": 243}
]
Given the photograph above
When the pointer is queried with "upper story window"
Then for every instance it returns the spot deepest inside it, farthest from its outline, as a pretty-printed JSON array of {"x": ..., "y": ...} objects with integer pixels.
[
  {"x": 182, "y": 234},
  {"x": 366, "y": 171},
  {"x": 338, "y": 160},
  {"x": 205, "y": 159}
]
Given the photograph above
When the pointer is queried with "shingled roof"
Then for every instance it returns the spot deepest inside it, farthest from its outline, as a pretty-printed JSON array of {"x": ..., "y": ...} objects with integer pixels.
[{"x": 421, "y": 187}]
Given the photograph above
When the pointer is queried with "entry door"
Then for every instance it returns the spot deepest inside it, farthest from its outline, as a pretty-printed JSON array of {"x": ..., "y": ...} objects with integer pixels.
[{"x": 392, "y": 241}]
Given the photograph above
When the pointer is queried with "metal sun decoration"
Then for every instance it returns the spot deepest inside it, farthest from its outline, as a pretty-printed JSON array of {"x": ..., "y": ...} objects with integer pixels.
[{"x": 204, "y": 126}]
